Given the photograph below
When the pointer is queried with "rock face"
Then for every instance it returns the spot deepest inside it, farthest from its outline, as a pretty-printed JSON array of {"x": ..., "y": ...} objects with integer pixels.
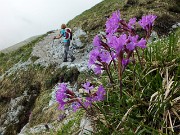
[
  {"x": 86, "y": 126},
  {"x": 18, "y": 113}
]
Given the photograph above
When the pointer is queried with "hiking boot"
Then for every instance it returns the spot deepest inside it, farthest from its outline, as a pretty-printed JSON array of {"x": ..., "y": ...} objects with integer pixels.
[
  {"x": 65, "y": 60},
  {"x": 72, "y": 58}
]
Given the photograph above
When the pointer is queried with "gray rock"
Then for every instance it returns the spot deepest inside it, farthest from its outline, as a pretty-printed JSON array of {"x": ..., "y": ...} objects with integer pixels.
[{"x": 86, "y": 126}]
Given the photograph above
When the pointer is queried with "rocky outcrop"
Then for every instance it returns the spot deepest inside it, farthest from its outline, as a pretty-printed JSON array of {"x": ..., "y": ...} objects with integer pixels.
[
  {"x": 18, "y": 112},
  {"x": 51, "y": 52}
]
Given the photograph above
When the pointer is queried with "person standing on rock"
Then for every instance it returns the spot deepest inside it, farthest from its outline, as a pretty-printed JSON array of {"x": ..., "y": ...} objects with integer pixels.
[{"x": 67, "y": 36}]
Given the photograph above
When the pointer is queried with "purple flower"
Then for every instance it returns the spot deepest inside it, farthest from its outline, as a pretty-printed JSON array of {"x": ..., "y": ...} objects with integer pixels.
[
  {"x": 97, "y": 69},
  {"x": 111, "y": 40},
  {"x": 132, "y": 42},
  {"x": 147, "y": 21},
  {"x": 88, "y": 102},
  {"x": 99, "y": 94},
  {"x": 96, "y": 58},
  {"x": 61, "y": 105},
  {"x": 117, "y": 43},
  {"x": 131, "y": 46},
  {"x": 97, "y": 41},
  {"x": 112, "y": 24},
  {"x": 75, "y": 106},
  {"x": 142, "y": 43},
  {"x": 88, "y": 87},
  {"x": 125, "y": 62},
  {"x": 105, "y": 57},
  {"x": 131, "y": 23},
  {"x": 93, "y": 57},
  {"x": 61, "y": 95},
  {"x": 61, "y": 92}
]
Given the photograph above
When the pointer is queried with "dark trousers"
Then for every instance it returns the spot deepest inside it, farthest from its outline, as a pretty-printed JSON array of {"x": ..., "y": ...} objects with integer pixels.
[{"x": 67, "y": 50}]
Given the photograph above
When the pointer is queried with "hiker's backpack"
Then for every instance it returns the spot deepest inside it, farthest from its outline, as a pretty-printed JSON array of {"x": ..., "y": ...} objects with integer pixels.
[{"x": 68, "y": 33}]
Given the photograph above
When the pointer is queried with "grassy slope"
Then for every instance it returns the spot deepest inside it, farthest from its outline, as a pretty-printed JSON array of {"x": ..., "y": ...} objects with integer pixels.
[
  {"x": 93, "y": 20},
  {"x": 7, "y": 60}
]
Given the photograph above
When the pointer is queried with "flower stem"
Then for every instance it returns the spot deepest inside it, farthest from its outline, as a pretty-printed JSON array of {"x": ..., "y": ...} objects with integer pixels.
[
  {"x": 82, "y": 105},
  {"x": 139, "y": 58},
  {"x": 109, "y": 74},
  {"x": 120, "y": 72}
]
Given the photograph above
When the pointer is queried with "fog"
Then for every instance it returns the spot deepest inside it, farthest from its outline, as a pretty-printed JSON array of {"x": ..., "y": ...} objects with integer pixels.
[{"x": 21, "y": 19}]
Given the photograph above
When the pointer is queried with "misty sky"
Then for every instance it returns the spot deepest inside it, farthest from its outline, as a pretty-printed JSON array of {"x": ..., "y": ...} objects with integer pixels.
[{"x": 21, "y": 19}]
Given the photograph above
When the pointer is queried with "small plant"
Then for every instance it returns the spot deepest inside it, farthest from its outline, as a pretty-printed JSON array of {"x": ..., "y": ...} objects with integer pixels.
[
  {"x": 65, "y": 96},
  {"x": 119, "y": 44}
]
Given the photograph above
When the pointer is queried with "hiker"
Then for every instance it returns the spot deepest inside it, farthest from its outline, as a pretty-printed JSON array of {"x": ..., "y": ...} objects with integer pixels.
[{"x": 67, "y": 36}]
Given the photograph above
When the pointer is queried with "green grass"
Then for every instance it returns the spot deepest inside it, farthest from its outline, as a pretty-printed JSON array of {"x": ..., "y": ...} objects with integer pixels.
[{"x": 163, "y": 50}]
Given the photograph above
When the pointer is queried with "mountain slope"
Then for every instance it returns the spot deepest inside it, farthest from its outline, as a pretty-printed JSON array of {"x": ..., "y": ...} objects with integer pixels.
[{"x": 93, "y": 20}]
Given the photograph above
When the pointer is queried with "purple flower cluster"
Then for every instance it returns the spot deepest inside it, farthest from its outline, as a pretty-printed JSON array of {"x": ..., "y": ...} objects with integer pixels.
[
  {"x": 94, "y": 97},
  {"x": 112, "y": 23},
  {"x": 147, "y": 21},
  {"x": 99, "y": 59},
  {"x": 61, "y": 95},
  {"x": 131, "y": 23},
  {"x": 119, "y": 44},
  {"x": 124, "y": 43},
  {"x": 65, "y": 96},
  {"x": 97, "y": 41},
  {"x": 120, "y": 39}
]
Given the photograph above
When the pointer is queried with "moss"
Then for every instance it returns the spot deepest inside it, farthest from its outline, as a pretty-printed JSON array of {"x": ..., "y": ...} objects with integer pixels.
[
  {"x": 37, "y": 114},
  {"x": 36, "y": 80},
  {"x": 32, "y": 80},
  {"x": 132, "y": 2},
  {"x": 2, "y": 54},
  {"x": 70, "y": 75}
]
